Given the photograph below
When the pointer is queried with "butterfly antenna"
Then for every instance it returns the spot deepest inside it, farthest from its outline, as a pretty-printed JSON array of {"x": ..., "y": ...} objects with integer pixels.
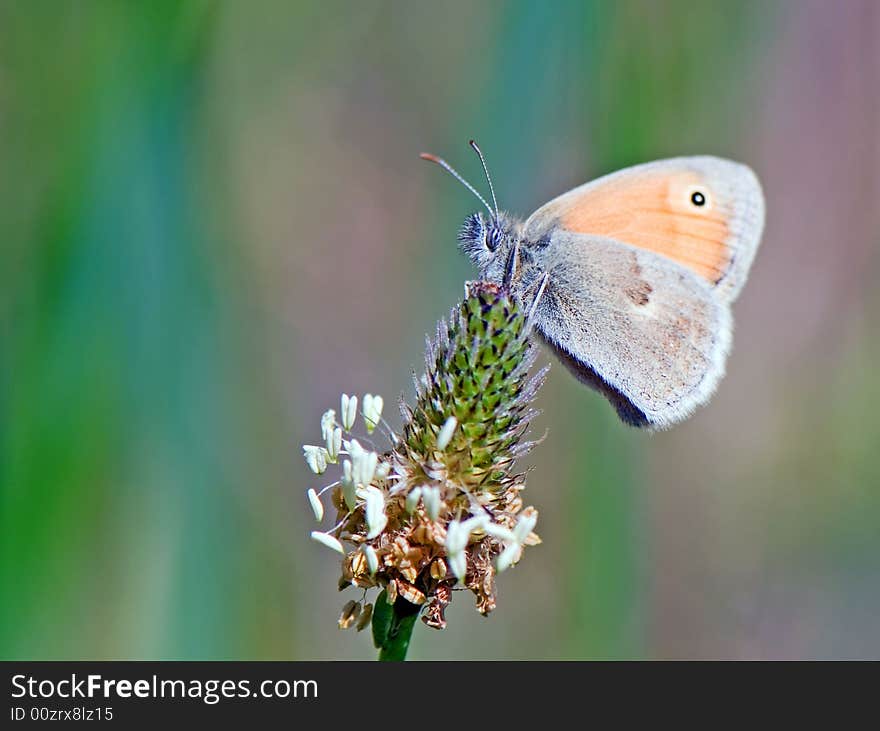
[
  {"x": 488, "y": 179},
  {"x": 449, "y": 169}
]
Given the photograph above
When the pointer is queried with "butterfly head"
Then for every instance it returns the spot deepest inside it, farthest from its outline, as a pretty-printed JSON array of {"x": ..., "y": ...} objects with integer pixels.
[{"x": 487, "y": 242}]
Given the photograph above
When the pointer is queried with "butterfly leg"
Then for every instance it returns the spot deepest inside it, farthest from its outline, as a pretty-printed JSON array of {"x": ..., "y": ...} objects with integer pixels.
[
  {"x": 512, "y": 263},
  {"x": 540, "y": 293}
]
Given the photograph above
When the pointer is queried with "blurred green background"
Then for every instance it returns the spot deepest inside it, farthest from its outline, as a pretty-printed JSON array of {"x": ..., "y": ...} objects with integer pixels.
[{"x": 213, "y": 220}]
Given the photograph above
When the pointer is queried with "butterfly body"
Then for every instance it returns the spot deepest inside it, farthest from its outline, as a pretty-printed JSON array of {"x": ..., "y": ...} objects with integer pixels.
[{"x": 632, "y": 277}]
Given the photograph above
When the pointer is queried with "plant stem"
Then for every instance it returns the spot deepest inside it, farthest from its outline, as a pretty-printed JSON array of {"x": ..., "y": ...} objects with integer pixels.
[{"x": 392, "y": 628}]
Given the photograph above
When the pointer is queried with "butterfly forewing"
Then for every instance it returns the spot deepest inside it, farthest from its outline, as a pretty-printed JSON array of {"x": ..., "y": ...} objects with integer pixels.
[{"x": 704, "y": 213}]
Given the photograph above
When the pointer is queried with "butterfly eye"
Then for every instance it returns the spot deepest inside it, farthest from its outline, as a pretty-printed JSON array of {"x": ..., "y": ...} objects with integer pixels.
[
  {"x": 698, "y": 198},
  {"x": 493, "y": 238}
]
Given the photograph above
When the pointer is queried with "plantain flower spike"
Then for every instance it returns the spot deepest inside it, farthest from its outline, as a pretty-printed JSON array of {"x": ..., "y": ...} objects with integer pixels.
[{"x": 442, "y": 508}]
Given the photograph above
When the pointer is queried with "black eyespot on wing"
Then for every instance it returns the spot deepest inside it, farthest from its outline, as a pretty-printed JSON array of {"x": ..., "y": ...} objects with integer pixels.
[{"x": 698, "y": 198}]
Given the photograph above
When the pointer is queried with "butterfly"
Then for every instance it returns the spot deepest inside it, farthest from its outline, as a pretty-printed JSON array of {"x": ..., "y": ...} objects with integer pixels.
[{"x": 629, "y": 278}]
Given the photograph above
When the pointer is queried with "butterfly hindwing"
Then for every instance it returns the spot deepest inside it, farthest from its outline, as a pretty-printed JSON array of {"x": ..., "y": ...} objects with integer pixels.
[{"x": 645, "y": 331}]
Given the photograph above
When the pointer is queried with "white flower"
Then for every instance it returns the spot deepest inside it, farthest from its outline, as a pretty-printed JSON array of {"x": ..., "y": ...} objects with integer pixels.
[
  {"x": 348, "y": 485},
  {"x": 477, "y": 522},
  {"x": 412, "y": 499},
  {"x": 499, "y": 532},
  {"x": 363, "y": 463},
  {"x": 317, "y": 506},
  {"x": 372, "y": 558},
  {"x": 334, "y": 443},
  {"x": 328, "y": 421},
  {"x": 372, "y": 411},
  {"x": 316, "y": 457},
  {"x": 457, "y": 536},
  {"x": 513, "y": 550},
  {"x": 431, "y": 498},
  {"x": 457, "y": 563},
  {"x": 327, "y": 540},
  {"x": 368, "y": 467},
  {"x": 509, "y": 556},
  {"x": 525, "y": 524},
  {"x": 446, "y": 432},
  {"x": 349, "y": 411},
  {"x": 382, "y": 470},
  {"x": 375, "y": 512}
]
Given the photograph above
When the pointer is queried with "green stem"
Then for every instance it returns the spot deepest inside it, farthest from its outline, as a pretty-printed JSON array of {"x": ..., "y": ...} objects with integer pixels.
[{"x": 392, "y": 628}]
